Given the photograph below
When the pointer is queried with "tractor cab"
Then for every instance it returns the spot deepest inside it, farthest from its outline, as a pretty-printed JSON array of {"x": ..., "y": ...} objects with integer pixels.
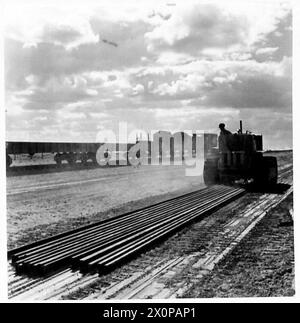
[{"x": 241, "y": 157}]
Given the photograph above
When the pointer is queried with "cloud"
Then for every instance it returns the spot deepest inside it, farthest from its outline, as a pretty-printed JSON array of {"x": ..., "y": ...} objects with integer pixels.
[
  {"x": 239, "y": 84},
  {"x": 55, "y": 53},
  {"x": 252, "y": 92},
  {"x": 55, "y": 92},
  {"x": 266, "y": 51},
  {"x": 276, "y": 127},
  {"x": 194, "y": 28},
  {"x": 68, "y": 36},
  {"x": 218, "y": 31},
  {"x": 277, "y": 42},
  {"x": 184, "y": 87},
  {"x": 138, "y": 89},
  {"x": 185, "y": 66},
  {"x": 51, "y": 26}
]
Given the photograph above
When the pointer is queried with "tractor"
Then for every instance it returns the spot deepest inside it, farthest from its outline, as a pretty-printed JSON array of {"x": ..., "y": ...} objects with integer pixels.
[{"x": 243, "y": 159}]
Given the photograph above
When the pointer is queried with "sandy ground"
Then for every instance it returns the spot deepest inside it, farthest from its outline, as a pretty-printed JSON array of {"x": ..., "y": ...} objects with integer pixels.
[{"x": 261, "y": 266}]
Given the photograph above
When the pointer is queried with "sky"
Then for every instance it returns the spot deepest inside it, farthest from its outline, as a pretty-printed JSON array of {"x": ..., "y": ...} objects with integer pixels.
[{"x": 74, "y": 70}]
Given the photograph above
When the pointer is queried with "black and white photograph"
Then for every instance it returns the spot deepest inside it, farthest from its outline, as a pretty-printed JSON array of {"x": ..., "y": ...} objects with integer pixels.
[{"x": 148, "y": 151}]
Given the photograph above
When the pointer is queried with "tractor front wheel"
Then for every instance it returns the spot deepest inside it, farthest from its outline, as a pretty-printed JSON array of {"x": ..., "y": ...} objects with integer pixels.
[{"x": 210, "y": 173}]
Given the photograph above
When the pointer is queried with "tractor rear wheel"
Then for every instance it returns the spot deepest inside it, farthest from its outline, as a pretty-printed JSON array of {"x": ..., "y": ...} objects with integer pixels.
[
  {"x": 267, "y": 171},
  {"x": 210, "y": 173},
  {"x": 271, "y": 171}
]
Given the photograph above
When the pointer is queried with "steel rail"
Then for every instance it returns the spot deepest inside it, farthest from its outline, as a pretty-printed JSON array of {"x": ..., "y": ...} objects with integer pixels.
[
  {"x": 49, "y": 263},
  {"x": 108, "y": 242},
  {"x": 125, "y": 221},
  {"x": 154, "y": 225},
  {"x": 62, "y": 245},
  {"x": 146, "y": 241},
  {"x": 69, "y": 233},
  {"x": 99, "y": 240}
]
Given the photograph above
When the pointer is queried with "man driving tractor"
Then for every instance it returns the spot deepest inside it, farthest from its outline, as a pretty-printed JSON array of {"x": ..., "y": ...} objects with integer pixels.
[
  {"x": 223, "y": 138},
  {"x": 239, "y": 156}
]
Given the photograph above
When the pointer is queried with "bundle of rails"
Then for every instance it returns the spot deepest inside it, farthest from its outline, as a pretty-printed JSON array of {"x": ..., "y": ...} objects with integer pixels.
[{"x": 104, "y": 245}]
